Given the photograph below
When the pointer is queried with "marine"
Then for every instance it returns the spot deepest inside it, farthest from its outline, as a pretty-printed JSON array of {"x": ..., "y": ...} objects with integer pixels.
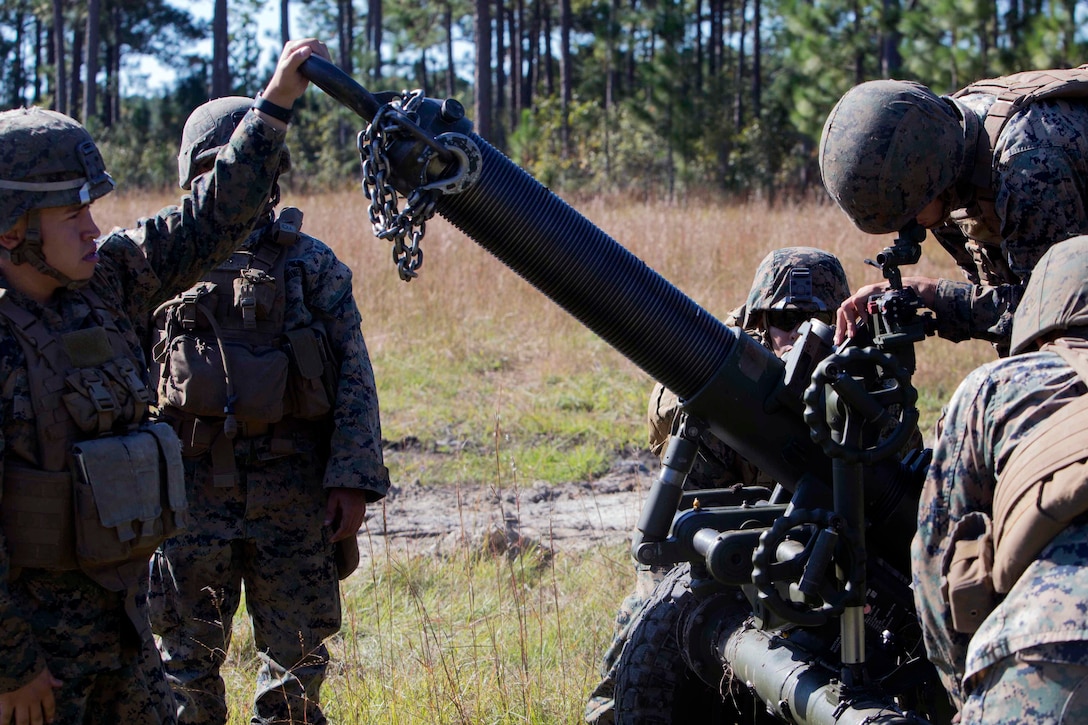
[{"x": 999, "y": 558}]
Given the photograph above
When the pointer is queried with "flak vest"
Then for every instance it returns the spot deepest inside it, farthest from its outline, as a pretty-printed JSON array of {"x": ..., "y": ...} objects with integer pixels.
[
  {"x": 1013, "y": 93},
  {"x": 227, "y": 369},
  {"x": 108, "y": 486},
  {"x": 1042, "y": 490}
]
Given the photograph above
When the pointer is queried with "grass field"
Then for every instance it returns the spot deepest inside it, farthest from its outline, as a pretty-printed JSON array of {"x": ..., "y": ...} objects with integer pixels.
[{"x": 482, "y": 379}]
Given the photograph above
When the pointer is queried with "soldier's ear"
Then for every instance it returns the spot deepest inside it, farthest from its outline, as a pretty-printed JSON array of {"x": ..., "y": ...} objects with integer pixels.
[{"x": 14, "y": 237}]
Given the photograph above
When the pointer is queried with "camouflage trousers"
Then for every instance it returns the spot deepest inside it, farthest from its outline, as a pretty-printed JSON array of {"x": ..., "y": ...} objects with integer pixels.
[
  {"x": 110, "y": 673},
  {"x": 600, "y": 706},
  {"x": 1046, "y": 684},
  {"x": 266, "y": 532}
]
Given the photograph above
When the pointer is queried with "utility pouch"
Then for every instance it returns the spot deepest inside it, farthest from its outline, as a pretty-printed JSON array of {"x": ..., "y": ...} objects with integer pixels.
[
  {"x": 194, "y": 381},
  {"x": 968, "y": 571},
  {"x": 129, "y": 497},
  {"x": 255, "y": 293},
  {"x": 312, "y": 388}
]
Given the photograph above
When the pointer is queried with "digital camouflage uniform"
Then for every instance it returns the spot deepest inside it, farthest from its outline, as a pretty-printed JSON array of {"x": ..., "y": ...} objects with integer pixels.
[
  {"x": 1002, "y": 219},
  {"x": 63, "y": 619},
  {"x": 1028, "y": 660},
  {"x": 266, "y": 527},
  {"x": 716, "y": 464}
]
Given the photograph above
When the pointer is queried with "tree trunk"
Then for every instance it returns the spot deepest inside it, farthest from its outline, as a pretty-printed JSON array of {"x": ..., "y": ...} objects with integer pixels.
[
  {"x": 113, "y": 82},
  {"x": 90, "y": 93},
  {"x": 451, "y": 77},
  {"x": 532, "y": 63},
  {"x": 738, "y": 94},
  {"x": 38, "y": 49},
  {"x": 482, "y": 28},
  {"x": 18, "y": 71},
  {"x": 546, "y": 45},
  {"x": 374, "y": 36},
  {"x": 75, "y": 87},
  {"x": 757, "y": 55},
  {"x": 517, "y": 51},
  {"x": 566, "y": 73},
  {"x": 220, "y": 50},
  {"x": 500, "y": 74},
  {"x": 345, "y": 22},
  {"x": 60, "y": 91},
  {"x": 700, "y": 52},
  {"x": 285, "y": 22}
]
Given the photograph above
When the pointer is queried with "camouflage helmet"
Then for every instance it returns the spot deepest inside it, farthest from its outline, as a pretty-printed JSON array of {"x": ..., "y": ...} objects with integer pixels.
[
  {"x": 209, "y": 128},
  {"x": 1063, "y": 269},
  {"x": 46, "y": 159},
  {"x": 888, "y": 149},
  {"x": 796, "y": 278}
]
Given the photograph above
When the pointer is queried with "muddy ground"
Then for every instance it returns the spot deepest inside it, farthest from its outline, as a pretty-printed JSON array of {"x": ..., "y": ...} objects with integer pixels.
[{"x": 436, "y": 518}]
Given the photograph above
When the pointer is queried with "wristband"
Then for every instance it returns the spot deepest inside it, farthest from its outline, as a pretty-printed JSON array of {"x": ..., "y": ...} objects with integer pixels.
[{"x": 277, "y": 112}]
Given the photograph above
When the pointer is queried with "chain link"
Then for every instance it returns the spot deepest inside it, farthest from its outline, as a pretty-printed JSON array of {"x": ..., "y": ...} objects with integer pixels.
[{"x": 388, "y": 221}]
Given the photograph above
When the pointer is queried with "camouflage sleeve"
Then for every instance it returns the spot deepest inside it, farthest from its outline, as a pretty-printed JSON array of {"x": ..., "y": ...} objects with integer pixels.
[
  {"x": 969, "y": 311},
  {"x": 355, "y": 459},
  {"x": 1040, "y": 200},
  {"x": 169, "y": 252},
  {"x": 959, "y": 480}
]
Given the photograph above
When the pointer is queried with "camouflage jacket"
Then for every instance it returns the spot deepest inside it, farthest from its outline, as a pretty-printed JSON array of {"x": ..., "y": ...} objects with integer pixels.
[
  {"x": 1040, "y": 196},
  {"x": 997, "y": 406},
  {"x": 138, "y": 269}
]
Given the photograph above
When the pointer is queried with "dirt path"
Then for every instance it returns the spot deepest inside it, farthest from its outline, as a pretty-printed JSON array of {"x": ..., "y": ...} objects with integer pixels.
[{"x": 434, "y": 519}]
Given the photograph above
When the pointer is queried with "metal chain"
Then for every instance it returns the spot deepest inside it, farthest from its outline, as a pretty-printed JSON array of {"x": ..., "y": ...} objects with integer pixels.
[{"x": 388, "y": 221}]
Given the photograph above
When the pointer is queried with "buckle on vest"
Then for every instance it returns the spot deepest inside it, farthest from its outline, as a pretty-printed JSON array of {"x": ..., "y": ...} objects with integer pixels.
[{"x": 189, "y": 302}]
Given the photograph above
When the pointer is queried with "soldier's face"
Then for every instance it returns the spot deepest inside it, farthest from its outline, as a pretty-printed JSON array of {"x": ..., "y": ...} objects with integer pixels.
[
  {"x": 68, "y": 240},
  {"x": 782, "y": 340},
  {"x": 933, "y": 214}
]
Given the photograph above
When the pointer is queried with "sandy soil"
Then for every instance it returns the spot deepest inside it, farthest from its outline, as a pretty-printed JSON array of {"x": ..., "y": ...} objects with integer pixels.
[{"x": 434, "y": 519}]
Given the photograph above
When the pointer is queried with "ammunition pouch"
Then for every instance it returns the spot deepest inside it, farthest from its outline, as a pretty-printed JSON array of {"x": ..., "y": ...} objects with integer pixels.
[
  {"x": 968, "y": 572},
  {"x": 194, "y": 380},
  {"x": 223, "y": 351},
  {"x": 312, "y": 383},
  {"x": 129, "y": 496}
]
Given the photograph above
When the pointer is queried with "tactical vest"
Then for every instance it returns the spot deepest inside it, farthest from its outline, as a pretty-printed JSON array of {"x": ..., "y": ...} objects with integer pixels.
[
  {"x": 1013, "y": 93},
  {"x": 1042, "y": 489},
  {"x": 106, "y": 487},
  {"x": 226, "y": 367}
]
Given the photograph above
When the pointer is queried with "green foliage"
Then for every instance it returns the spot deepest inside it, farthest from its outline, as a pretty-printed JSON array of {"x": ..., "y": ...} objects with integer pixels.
[{"x": 655, "y": 107}]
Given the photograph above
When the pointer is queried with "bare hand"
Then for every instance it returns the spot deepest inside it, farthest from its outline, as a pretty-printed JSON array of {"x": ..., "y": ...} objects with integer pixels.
[
  {"x": 855, "y": 308},
  {"x": 31, "y": 704},
  {"x": 346, "y": 510},
  {"x": 287, "y": 84}
]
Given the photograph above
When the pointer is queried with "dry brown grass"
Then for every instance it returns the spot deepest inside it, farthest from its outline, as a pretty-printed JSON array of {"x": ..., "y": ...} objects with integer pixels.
[
  {"x": 479, "y": 640},
  {"x": 465, "y": 300}
]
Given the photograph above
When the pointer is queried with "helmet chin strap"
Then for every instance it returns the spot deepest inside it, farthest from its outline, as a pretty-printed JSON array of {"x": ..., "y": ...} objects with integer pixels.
[{"x": 29, "y": 251}]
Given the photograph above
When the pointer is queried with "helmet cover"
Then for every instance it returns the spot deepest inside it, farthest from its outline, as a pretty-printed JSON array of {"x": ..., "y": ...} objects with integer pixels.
[
  {"x": 796, "y": 278},
  {"x": 208, "y": 128},
  {"x": 888, "y": 149},
  {"x": 47, "y": 159},
  {"x": 1063, "y": 269}
]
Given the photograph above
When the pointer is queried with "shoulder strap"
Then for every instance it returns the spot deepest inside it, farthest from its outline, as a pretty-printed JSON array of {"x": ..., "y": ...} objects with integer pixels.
[
  {"x": 1016, "y": 91},
  {"x": 1025, "y": 519}
]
